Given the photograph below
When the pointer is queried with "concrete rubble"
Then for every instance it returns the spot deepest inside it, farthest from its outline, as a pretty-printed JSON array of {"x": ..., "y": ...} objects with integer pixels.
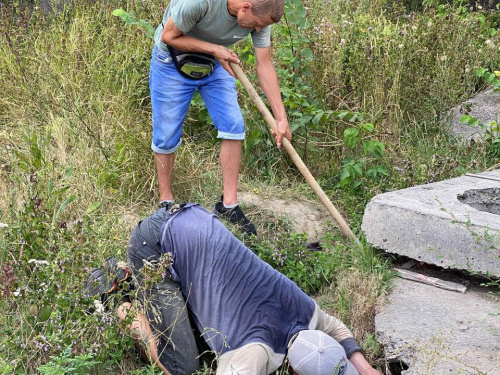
[
  {"x": 438, "y": 332},
  {"x": 484, "y": 106},
  {"x": 434, "y": 224},
  {"x": 451, "y": 224}
]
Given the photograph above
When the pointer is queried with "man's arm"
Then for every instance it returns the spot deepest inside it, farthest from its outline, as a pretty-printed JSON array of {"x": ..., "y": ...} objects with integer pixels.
[
  {"x": 174, "y": 37},
  {"x": 362, "y": 365},
  {"x": 268, "y": 80},
  {"x": 142, "y": 335},
  {"x": 338, "y": 330}
]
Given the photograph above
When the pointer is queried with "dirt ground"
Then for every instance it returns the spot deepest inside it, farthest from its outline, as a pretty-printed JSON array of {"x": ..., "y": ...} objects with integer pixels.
[{"x": 302, "y": 215}]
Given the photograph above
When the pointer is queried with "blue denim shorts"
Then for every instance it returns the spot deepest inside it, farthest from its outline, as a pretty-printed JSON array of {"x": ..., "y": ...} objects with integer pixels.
[{"x": 171, "y": 94}]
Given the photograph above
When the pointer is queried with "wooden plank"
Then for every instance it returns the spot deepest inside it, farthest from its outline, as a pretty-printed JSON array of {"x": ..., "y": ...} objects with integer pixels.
[{"x": 448, "y": 285}]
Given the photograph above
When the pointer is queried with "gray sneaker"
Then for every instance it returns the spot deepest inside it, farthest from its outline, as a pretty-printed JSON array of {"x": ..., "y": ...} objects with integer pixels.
[
  {"x": 97, "y": 284},
  {"x": 111, "y": 282}
]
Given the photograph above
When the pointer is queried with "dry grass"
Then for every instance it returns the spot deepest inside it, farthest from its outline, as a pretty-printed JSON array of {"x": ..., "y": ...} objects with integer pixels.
[
  {"x": 357, "y": 296},
  {"x": 5, "y": 169},
  {"x": 4, "y": 189}
]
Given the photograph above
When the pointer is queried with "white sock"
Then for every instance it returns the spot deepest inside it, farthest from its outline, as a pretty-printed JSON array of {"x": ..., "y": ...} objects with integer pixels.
[{"x": 229, "y": 206}]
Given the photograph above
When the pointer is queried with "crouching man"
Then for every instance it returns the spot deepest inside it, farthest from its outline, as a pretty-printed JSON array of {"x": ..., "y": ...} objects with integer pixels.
[{"x": 251, "y": 316}]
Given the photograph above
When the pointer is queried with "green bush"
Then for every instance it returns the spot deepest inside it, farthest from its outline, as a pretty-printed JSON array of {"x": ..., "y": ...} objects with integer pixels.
[
  {"x": 309, "y": 269},
  {"x": 66, "y": 363}
]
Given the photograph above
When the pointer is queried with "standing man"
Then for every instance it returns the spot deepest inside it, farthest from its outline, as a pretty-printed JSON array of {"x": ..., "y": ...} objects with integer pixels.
[
  {"x": 191, "y": 27},
  {"x": 252, "y": 317}
]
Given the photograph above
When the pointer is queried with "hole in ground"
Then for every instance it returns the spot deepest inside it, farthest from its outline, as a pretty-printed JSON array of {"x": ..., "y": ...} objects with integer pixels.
[
  {"x": 396, "y": 367},
  {"x": 486, "y": 200}
]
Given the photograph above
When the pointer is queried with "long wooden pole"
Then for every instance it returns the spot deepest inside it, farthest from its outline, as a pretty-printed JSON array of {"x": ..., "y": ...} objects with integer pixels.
[{"x": 293, "y": 154}]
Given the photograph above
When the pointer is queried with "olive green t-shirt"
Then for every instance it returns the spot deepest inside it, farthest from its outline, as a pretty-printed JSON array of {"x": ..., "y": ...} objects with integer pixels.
[{"x": 210, "y": 21}]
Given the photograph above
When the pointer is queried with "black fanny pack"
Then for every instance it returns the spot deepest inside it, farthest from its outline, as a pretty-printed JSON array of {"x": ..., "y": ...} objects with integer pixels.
[{"x": 194, "y": 65}]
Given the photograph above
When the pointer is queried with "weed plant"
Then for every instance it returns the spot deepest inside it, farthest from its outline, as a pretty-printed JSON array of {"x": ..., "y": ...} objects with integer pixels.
[{"x": 76, "y": 170}]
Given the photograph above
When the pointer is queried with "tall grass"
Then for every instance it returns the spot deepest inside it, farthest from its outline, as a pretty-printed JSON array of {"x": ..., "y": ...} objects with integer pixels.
[
  {"x": 401, "y": 67},
  {"x": 77, "y": 173}
]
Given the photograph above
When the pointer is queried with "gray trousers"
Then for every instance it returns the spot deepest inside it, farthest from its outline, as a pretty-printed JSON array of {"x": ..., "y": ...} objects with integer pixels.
[{"x": 163, "y": 302}]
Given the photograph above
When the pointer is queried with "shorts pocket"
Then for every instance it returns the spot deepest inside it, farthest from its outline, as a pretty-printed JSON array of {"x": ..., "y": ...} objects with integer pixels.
[{"x": 163, "y": 57}]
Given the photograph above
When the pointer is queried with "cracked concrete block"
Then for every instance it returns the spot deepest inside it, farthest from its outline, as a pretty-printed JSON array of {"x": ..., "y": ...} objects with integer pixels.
[
  {"x": 440, "y": 223},
  {"x": 439, "y": 332}
]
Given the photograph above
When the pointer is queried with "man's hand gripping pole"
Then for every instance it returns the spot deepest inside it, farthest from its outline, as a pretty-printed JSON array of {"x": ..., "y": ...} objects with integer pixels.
[{"x": 293, "y": 154}]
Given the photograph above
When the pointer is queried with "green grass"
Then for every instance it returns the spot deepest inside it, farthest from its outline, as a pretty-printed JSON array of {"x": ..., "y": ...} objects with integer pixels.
[{"x": 77, "y": 173}]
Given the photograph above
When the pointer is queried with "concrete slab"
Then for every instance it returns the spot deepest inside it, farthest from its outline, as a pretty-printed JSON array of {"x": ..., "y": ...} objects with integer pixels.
[
  {"x": 439, "y": 332},
  {"x": 304, "y": 216},
  {"x": 430, "y": 224},
  {"x": 484, "y": 106}
]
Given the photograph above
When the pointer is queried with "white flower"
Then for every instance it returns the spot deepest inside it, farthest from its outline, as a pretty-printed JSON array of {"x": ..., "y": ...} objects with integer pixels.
[
  {"x": 38, "y": 262},
  {"x": 99, "y": 307},
  {"x": 443, "y": 58},
  {"x": 488, "y": 42},
  {"x": 17, "y": 293},
  {"x": 3, "y": 225}
]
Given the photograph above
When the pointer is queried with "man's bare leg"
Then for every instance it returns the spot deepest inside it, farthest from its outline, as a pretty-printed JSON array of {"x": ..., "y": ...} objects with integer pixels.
[
  {"x": 230, "y": 158},
  {"x": 164, "y": 169},
  {"x": 142, "y": 335}
]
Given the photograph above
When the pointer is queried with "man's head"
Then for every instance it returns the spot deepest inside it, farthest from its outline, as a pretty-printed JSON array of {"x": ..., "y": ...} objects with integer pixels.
[
  {"x": 272, "y": 8},
  {"x": 260, "y": 13},
  {"x": 315, "y": 353}
]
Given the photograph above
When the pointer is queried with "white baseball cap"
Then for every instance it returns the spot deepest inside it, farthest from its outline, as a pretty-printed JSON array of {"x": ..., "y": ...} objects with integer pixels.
[{"x": 315, "y": 353}]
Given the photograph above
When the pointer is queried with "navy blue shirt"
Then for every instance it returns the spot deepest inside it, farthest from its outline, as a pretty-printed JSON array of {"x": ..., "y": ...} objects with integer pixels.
[{"x": 234, "y": 297}]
